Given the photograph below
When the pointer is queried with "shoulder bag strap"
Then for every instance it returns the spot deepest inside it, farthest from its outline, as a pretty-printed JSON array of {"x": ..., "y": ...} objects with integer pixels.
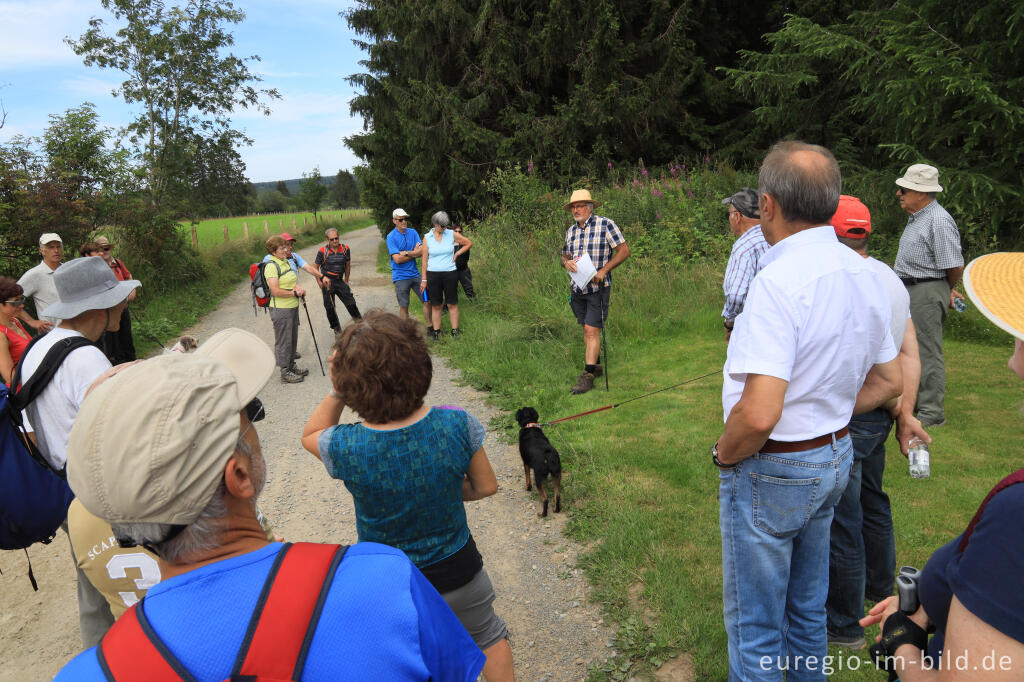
[
  {"x": 132, "y": 652},
  {"x": 285, "y": 618},
  {"x": 1015, "y": 477}
]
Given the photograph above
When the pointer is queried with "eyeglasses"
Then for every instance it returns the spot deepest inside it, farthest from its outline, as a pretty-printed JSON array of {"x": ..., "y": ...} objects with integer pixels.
[
  {"x": 333, "y": 239},
  {"x": 402, "y": 220},
  {"x": 16, "y": 302},
  {"x": 106, "y": 248}
]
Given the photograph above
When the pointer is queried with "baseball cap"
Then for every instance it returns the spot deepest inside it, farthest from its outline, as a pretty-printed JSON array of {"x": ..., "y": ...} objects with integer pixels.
[
  {"x": 47, "y": 237},
  {"x": 852, "y": 218},
  {"x": 287, "y": 237},
  {"x": 745, "y": 201},
  {"x": 399, "y": 213},
  {"x": 149, "y": 445}
]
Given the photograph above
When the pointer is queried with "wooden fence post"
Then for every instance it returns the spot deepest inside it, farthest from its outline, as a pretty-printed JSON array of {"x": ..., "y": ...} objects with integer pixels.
[
  {"x": 280, "y": 222},
  {"x": 245, "y": 229},
  {"x": 266, "y": 228},
  {"x": 226, "y": 237},
  {"x": 293, "y": 223},
  {"x": 195, "y": 238},
  {"x": 303, "y": 221}
]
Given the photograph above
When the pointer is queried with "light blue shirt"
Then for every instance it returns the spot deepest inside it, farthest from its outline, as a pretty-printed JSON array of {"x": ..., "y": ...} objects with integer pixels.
[
  {"x": 441, "y": 254},
  {"x": 294, "y": 260}
]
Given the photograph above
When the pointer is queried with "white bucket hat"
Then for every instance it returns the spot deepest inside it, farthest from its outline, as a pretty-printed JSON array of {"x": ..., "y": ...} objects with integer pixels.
[
  {"x": 921, "y": 178},
  {"x": 87, "y": 284}
]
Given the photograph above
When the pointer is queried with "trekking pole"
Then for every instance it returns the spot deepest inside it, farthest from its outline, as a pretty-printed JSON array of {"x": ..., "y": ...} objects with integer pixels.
[
  {"x": 313, "y": 334},
  {"x": 604, "y": 342},
  {"x": 144, "y": 332}
]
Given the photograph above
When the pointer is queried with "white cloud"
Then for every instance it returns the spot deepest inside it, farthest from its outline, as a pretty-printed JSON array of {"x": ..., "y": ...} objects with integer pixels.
[
  {"x": 33, "y": 32},
  {"x": 90, "y": 86}
]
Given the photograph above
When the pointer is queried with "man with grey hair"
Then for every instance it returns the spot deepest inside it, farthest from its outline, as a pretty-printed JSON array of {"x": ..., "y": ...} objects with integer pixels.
[
  {"x": 930, "y": 263},
  {"x": 38, "y": 285},
  {"x": 811, "y": 347},
  {"x": 334, "y": 261},
  {"x": 404, "y": 247},
  {"x": 166, "y": 452},
  {"x": 745, "y": 221}
]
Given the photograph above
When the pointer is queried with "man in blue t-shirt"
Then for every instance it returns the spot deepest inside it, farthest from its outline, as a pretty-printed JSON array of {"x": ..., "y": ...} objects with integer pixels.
[
  {"x": 165, "y": 450},
  {"x": 405, "y": 247}
]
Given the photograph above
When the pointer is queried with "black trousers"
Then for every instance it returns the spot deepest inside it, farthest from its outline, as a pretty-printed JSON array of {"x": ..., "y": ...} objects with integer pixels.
[
  {"x": 119, "y": 346},
  {"x": 339, "y": 289},
  {"x": 466, "y": 279}
]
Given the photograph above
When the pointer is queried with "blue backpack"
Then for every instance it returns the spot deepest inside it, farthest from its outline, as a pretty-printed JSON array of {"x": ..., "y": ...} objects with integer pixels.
[{"x": 34, "y": 497}]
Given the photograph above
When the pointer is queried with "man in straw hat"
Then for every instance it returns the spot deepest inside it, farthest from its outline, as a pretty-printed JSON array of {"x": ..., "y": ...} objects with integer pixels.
[
  {"x": 119, "y": 346},
  {"x": 972, "y": 588},
  {"x": 90, "y": 302},
  {"x": 601, "y": 240},
  {"x": 166, "y": 452},
  {"x": 930, "y": 263}
]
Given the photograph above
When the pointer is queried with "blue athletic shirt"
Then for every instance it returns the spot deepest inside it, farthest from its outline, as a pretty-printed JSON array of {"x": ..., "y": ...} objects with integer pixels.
[
  {"x": 381, "y": 621},
  {"x": 407, "y": 483},
  {"x": 398, "y": 242},
  {"x": 440, "y": 255},
  {"x": 294, "y": 260}
]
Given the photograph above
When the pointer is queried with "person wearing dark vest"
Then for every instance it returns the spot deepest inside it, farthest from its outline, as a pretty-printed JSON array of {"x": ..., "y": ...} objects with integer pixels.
[{"x": 334, "y": 261}]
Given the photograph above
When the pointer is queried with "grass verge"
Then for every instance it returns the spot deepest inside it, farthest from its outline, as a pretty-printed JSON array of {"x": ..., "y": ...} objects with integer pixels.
[{"x": 210, "y": 232}]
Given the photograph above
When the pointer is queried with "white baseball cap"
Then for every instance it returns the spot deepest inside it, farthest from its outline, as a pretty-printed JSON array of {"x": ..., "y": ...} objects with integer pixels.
[
  {"x": 399, "y": 213},
  {"x": 48, "y": 237}
]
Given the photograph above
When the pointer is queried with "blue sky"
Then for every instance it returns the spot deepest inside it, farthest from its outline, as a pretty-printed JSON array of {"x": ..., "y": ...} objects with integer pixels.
[{"x": 306, "y": 51}]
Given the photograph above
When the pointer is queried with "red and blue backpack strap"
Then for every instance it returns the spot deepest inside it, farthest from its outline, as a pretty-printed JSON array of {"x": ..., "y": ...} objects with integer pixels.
[
  {"x": 276, "y": 641},
  {"x": 1012, "y": 479}
]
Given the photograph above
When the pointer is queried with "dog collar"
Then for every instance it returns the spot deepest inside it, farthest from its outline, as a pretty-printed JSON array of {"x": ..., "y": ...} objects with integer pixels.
[{"x": 531, "y": 425}]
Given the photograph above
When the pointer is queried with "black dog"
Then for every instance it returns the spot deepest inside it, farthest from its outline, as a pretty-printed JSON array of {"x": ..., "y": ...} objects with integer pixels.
[{"x": 538, "y": 454}]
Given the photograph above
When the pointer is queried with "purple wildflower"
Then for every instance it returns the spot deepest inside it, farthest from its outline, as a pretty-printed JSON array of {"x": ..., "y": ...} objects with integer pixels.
[
  {"x": 656, "y": 193},
  {"x": 529, "y": 166},
  {"x": 636, "y": 183},
  {"x": 617, "y": 187},
  {"x": 707, "y": 158},
  {"x": 657, "y": 216},
  {"x": 609, "y": 165},
  {"x": 643, "y": 172},
  {"x": 689, "y": 194}
]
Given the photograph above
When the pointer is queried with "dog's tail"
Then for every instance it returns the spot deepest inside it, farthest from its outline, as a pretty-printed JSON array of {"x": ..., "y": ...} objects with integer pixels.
[{"x": 552, "y": 462}]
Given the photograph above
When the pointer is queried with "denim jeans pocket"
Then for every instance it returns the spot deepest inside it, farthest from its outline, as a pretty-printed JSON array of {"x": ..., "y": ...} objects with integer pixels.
[{"x": 782, "y": 506}]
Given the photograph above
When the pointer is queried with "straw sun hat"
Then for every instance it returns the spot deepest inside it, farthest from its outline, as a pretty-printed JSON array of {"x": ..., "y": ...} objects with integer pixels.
[
  {"x": 580, "y": 195},
  {"x": 995, "y": 283}
]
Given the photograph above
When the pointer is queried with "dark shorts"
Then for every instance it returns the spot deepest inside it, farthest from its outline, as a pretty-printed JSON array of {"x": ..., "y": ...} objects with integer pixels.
[
  {"x": 587, "y": 307},
  {"x": 402, "y": 288},
  {"x": 473, "y": 606},
  {"x": 443, "y": 287}
]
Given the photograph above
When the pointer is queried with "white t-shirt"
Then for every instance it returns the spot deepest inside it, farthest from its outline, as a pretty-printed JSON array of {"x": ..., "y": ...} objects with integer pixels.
[
  {"x": 899, "y": 299},
  {"x": 816, "y": 316},
  {"x": 38, "y": 284},
  {"x": 53, "y": 412}
]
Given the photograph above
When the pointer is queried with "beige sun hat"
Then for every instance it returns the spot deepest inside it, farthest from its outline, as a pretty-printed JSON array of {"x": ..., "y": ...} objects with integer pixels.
[
  {"x": 580, "y": 195},
  {"x": 995, "y": 284},
  {"x": 921, "y": 178},
  {"x": 149, "y": 444}
]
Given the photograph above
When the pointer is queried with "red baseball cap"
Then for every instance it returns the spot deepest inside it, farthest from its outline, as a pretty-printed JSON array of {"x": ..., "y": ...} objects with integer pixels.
[
  {"x": 287, "y": 237},
  {"x": 852, "y": 218}
]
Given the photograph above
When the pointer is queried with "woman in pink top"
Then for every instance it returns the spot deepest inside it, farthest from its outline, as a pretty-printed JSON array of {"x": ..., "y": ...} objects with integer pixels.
[{"x": 14, "y": 337}]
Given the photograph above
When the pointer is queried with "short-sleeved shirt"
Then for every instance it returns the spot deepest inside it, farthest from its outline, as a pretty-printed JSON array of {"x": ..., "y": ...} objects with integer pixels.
[
  {"x": 407, "y": 483},
  {"x": 899, "y": 299},
  {"x": 987, "y": 578},
  {"x": 598, "y": 237},
  {"x": 440, "y": 254},
  {"x": 929, "y": 245},
  {"x": 817, "y": 317},
  {"x": 295, "y": 261},
  {"x": 39, "y": 286},
  {"x": 399, "y": 241},
  {"x": 381, "y": 620},
  {"x": 287, "y": 280},
  {"x": 741, "y": 270}
]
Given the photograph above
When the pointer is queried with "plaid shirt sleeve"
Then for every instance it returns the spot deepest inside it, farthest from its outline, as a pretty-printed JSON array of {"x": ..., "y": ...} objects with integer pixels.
[
  {"x": 946, "y": 243},
  {"x": 741, "y": 270}
]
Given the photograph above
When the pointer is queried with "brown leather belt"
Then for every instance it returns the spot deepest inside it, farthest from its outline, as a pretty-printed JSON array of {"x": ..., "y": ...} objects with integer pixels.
[{"x": 777, "y": 446}]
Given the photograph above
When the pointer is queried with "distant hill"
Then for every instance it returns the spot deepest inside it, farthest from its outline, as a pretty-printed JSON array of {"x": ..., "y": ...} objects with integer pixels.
[{"x": 292, "y": 185}]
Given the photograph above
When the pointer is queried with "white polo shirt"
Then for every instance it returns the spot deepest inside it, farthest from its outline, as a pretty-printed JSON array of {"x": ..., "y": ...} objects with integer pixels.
[
  {"x": 818, "y": 317},
  {"x": 38, "y": 285},
  {"x": 899, "y": 299}
]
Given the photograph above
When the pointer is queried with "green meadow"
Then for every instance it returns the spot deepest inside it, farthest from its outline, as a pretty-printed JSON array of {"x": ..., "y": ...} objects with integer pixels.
[{"x": 211, "y": 231}]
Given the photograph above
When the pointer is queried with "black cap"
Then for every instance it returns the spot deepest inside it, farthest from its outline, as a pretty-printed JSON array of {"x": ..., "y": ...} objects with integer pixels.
[{"x": 745, "y": 202}]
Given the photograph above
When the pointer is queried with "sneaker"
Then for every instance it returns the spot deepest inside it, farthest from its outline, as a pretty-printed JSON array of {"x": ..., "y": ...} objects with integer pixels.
[
  {"x": 583, "y": 384},
  {"x": 301, "y": 371},
  {"x": 455, "y": 332},
  {"x": 290, "y": 377},
  {"x": 849, "y": 641},
  {"x": 297, "y": 355},
  {"x": 932, "y": 424}
]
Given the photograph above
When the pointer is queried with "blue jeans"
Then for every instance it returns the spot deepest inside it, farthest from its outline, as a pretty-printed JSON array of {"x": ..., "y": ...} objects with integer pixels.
[
  {"x": 863, "y": 547},
  {"x": 775, "y": 511}
]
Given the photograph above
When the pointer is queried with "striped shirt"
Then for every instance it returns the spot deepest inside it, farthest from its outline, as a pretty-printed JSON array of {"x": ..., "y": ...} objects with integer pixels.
[
  {"x": 740, "y": 271},
  {"x": 929, "y": 245},
  {"x": 598, "y": 237}
]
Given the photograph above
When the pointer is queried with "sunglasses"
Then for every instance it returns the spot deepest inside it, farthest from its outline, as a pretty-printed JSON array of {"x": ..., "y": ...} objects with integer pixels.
[
  {"x": 903, "y": 190},
  {"x": 254, "y": 410},
  {"x": 402, "y": 220},
  {"x": 16, "y": 302}
]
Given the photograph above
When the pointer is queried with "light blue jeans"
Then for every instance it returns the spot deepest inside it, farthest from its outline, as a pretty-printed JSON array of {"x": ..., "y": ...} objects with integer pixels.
[{"x": 775, "y": 511}]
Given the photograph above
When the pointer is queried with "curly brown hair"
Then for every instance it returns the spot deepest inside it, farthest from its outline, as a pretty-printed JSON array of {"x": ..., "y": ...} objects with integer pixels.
[
  {"x": 381, "y": 367},
  {"x": 87, "y": 248},
  {"x": 274, "y": 243},
  {"x": 9, "y": 289}
]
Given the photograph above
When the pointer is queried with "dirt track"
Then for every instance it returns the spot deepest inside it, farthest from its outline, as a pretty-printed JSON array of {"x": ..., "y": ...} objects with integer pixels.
[{"x": 557, "y": 634}]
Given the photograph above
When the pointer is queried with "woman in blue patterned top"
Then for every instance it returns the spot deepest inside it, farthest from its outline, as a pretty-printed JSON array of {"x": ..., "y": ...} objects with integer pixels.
[{"x": 410, "y": 467}]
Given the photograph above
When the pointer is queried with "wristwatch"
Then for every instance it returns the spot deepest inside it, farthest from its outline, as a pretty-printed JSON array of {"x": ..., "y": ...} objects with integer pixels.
[{"x": 718, "y": 462}]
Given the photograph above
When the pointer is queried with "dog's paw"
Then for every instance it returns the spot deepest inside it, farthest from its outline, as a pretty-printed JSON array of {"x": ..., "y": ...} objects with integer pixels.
[
  {"x": 545, "y": 512},
  {"x": 558, "y": 504}
]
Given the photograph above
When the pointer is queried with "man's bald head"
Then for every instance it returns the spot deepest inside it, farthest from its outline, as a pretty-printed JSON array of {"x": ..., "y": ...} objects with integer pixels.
[{"x": 804, "y": 181}]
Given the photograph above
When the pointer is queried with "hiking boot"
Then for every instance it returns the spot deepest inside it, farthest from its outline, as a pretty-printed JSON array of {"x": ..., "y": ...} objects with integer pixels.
[
  {"x": 598, "y": 371},
  {"x": 455, "y": 332},
  {"x": 849, "y": 641},
  {"x": 435, "y": 334},
  {"x": 297, "y": 356},
  {"x": 290, "y": 377},
  {"x": 301, "y": 371},
  {"x": 583, "y": 384}
]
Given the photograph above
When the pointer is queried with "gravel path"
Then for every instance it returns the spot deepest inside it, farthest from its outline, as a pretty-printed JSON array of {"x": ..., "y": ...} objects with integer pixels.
[{"x": 557, "y": 634}]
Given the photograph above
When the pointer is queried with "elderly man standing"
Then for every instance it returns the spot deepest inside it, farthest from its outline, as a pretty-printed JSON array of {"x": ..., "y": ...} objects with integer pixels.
[
  {"x": 405, "y": 247},
  {"x": 930, "y": 263},
  {"x": 601, "y": 240},
  {"x": 166, "y": 452},
  {"x": 334, "y": 261},
  {"x": 745, "y": 221},
  {"x": 811, "y": 345},
  {"x": 37, "y": 282}
]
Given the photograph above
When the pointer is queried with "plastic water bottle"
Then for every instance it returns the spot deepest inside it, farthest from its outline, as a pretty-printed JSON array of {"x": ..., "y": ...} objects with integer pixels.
[
  {"x": 919, "y": 458},
  {"x": 960, "y": 304}
]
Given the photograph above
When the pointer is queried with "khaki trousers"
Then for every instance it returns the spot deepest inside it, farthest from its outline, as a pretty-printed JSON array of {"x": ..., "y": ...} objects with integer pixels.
[{"x": 929, "y": 303}]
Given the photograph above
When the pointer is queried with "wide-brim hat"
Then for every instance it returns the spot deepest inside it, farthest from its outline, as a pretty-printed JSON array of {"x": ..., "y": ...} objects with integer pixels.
[
  {"x": 580, "y": 195},
  {"x": 921, "y": 178},
  {"x": 149, "y": 444},
  {"x": 103, "y": 241},
  {"x": 995, "y": 284},
  {"x": 87, "y": 284}
]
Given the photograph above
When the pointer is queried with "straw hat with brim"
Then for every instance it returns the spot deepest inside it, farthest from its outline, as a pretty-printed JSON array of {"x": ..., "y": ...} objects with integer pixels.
[
  {"x": 995, "y": 283},
  {"x": 103, "y": 241},
  {"x": 921, "y": 178},
  {"x": 149, "y": 444},
  {"x": 580, "y": 195},
  {"x": 87, "y": 284}
]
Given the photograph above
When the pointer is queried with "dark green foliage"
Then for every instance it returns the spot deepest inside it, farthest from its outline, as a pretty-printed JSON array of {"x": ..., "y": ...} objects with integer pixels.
[
  {"x": 282, "y": 187},
  {"x": 345, "y": 190},
  {"x": 312, "y": 191}
]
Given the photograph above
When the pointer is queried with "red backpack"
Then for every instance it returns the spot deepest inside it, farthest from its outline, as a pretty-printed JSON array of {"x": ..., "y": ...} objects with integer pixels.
[
  {"x": 258, "y": 285},
  {"x": 276, "y": 642}
]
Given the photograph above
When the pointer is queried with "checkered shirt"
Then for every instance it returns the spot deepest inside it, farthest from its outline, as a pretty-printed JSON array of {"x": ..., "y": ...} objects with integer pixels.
[
  {"x": 741, "y": 270},
  {"x": 598, "y": 237},
  {"x": 929, "y": 245}
]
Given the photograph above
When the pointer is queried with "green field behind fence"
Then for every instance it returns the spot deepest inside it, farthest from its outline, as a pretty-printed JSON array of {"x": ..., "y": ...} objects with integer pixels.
[{"x": 211, "y": 231}]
